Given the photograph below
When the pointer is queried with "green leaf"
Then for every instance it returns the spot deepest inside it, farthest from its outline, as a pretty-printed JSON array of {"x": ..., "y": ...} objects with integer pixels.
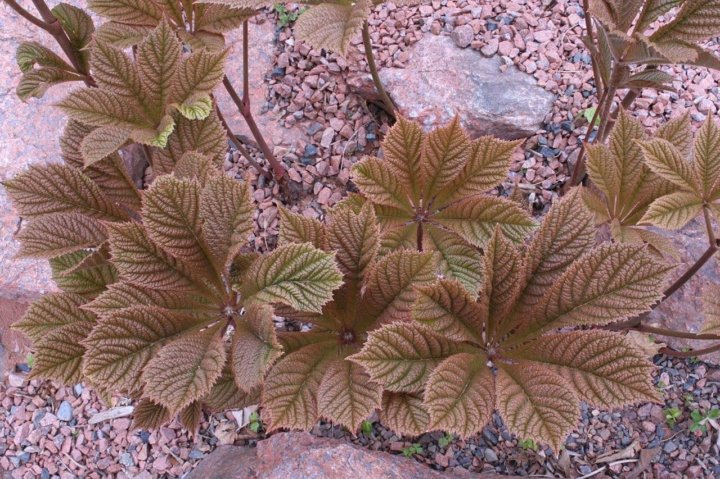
[{"x": 298, "y": 275}]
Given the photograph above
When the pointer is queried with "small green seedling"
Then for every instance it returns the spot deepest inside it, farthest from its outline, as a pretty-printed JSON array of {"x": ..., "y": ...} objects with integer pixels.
[
  {"x": 412, "y": 449},
  {"x": 30, "y": 360},
  {"x": 661, "y": 385},
  {"x": 589, "y": 114},
  {"x": 672, "y": 414},
  {"x": 285, "y": 16},
  {"x": 255, "y": 423},
  {"x": 699, "y": 420},
  {"x": 528, "y": 444},
  {"x": 446, "y": 440},
  {"x": 689, "y": 399},
  {"x": 366, "y": 428}
]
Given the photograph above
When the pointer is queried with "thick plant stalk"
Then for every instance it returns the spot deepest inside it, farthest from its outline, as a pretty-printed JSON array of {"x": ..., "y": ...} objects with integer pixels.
[
  {"x": 389, "y": 107},
  {"x": 50, "y": 24},
  {"x": 243, "y": 105},
  {"x": 239, "y": 146},
  {"x": 419, "y": 238}
]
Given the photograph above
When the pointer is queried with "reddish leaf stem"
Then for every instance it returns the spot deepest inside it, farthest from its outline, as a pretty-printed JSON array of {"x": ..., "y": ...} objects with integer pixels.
[
  {"x": 239, "y": 146},
  {"x": 690, "y": 354},
  {"x": 243, "y": 105},
  {"x": 388, "y": 105}
]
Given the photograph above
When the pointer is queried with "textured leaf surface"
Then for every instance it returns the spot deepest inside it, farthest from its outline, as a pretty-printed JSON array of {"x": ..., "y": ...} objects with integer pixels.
[
  {"x": 295, "y": 228},
  {"x": 379, "y": 183},
  {"x": 122, "y": 343},
  {"x": 475, "y": 219},
  {"x": 50, "y": 313},
  {"x": 148, "y": 415},
  {"x": 158, "y": 58},
  {"x": 298, "y": 275},
  {"x": 564, "y": 234},
  {"x": 225, "y": 394},
  {"x": 673, "y": 211},
  {"x": 346, "y": 394},
  {"x": 457, "y": 259},
  {"x": 390, "y": 283},
  {"x": 142, "y": 262},
  {"x": 255, "y": 346},
  {"x": 665, "y": 160},
  {"x": 444, "y": 150},
  {"x": 486, "y": 166},
  {"x": 536, "y": 403},
  {"x": 611, "y": 283},
  {"x": 59, "y": 356},
  {"x": 404, "y": 413},
  {"x": 460, "y": 395},
  {"x": 185, "y": 370},
  {"x": 503, "y": 268},
  {"x": 138, "y": 12},
  {"x": 604, "y": 368},
  {"x": 171, "y": 213},
  {"x": 71, "y": 275},
  {"x": 332, "y": 26},
  {"x": 53, "y": 188},
  {"x": 401, "y": 148},
  {"x": 56, "y": 235},
  {"x": 448, "y": 309},
  {"x": 191, "y": 416},
  {"x": 227, "y": 208},
  {"x": 123, "y": 295},
  {"x": 707, "y": 157},
  {"x": 355, "y": 238},
  {"x": 401, "y": 356},
  {"x": 290, "y": 391}
]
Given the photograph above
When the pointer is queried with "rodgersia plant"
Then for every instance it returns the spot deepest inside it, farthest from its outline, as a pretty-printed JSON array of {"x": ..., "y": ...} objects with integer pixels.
[
  {"x": 468, "y": 353},
  {"x": 315, "y": 379},
  {"x": 430, "y": 193},
  {"x": 150, "y": 294}
]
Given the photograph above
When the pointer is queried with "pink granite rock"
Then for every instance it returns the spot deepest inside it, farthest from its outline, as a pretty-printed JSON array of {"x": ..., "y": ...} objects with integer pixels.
[
  {"x": 442, "y": 80},
  {"x": 683, "y": 310},
  {"x": 299, "y": 455}
]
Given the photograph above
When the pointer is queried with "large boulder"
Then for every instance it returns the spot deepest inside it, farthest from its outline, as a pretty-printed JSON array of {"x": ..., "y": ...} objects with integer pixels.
[
  {"x": 299, "y": 455},
  {"x": 442, "y": 80},
  {"x": 683, "y": 310}
]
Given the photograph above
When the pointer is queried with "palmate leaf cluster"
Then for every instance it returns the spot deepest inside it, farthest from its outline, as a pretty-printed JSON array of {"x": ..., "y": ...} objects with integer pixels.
[
  {"x": 42, "y": 68},
  {"x": 315, "y": 379},
  {"x": 430, "y": 192},
  {"x": 141, "y": 99},
  {"x": 151, "y": 282},
  {"x": 627, "y": 39},
  {"x": 623, "y": 187},
  {"x": 468, "y": 353},
  {"x": 197, "y": 24},
  {"x": 665, "y": 181}
]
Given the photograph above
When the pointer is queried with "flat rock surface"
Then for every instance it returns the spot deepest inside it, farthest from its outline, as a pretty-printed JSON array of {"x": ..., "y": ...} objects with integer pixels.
[
  {"x": 300, "y": 455},
  {"x": 28, "y": 134},
  {"x": 442, "y": 80}
]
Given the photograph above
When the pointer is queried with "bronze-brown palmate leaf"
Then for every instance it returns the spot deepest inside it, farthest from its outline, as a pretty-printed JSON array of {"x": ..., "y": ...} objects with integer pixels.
[
  {"x": 430, "y": 192},
  {"x": 315, "y": 379},
  {"x": 142, "y": 99},
  {"x": 628, "y": 51},
  {"x": 147, "y": 304},
  {"x": 200, "y": 24},
  {"x": 468, "y": 357},
  {"x": 624, "y": 187},
  {"x": 694, "y": 174}
]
